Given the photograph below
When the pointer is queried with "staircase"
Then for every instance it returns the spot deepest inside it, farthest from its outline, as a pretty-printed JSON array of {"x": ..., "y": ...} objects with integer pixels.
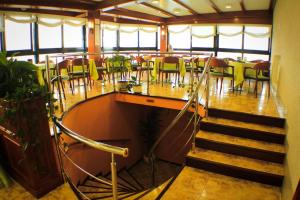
[
  {"x": 133, "y": 183},
  {"x": 241, "y": 145}
]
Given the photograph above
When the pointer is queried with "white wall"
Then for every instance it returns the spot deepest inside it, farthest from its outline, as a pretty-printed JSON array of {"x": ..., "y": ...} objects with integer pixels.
[{"x": 286, "y": 81}]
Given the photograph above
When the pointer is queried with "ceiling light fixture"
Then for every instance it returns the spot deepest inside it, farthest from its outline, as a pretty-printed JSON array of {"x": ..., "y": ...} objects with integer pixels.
[
  {"x": 176, "y": 10},
  {"x": 228, "y": 6},
  {"x": 155, "y": 1}
]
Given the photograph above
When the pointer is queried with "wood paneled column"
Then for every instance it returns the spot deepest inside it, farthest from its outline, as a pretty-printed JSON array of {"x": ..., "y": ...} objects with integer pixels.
[
  {"x": 94, "y": 40},
  {"x": 163, "y": 38}
]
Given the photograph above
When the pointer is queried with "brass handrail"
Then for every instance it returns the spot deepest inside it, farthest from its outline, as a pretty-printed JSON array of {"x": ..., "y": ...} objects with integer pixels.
[
  {"x": 184, "y": 109},
  {"x": 97, "y": 145}
]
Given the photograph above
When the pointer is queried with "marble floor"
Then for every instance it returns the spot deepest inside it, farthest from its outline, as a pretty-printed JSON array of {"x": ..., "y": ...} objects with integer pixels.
[{"x": 244, "y": 101}]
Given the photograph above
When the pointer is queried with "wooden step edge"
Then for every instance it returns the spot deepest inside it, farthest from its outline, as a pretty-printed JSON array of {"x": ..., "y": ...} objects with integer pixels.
[
  {"x": 264, "y": 128},
  {"x": 247, "y": 117},
  {"x": 234, "y": 171},
  {"x": 243, "y": 132},
  {"x": 229, "y": 148}
]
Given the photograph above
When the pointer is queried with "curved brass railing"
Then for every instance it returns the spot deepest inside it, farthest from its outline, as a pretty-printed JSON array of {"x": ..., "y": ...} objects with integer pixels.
[{"x": 115, "y": 150}]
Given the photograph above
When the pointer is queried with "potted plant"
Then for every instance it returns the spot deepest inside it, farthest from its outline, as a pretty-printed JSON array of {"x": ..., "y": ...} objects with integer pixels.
[{"x": 24, "y": 126}]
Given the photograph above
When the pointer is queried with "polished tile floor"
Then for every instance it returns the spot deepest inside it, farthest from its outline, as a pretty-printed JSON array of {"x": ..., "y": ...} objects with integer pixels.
[{"x": 197, "y": 184}]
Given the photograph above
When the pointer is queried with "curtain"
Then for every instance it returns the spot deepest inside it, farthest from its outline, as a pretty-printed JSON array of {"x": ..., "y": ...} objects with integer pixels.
[
  {"x": 204, "y": 31},
  {"x": 230, "y": 31},
  {"x": 148, "y": 28},
  {"x": 20, "y": 18},
  {"x": 110, "y": 26},
  {"x": 128, "y": 28},
  {"x": 178, "y": 28},
  {"x": 258, "y": 31},
  {"x": 58, "y": 21}
]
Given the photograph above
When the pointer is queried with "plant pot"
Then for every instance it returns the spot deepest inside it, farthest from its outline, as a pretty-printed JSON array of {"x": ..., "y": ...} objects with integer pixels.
[
  {"x": 137, "y": 89},
  {"x": 123, "y": 85}
]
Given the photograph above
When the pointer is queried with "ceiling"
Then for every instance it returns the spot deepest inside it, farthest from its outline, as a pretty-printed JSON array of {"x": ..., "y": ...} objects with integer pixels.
[{"x": 150, "y": 11}]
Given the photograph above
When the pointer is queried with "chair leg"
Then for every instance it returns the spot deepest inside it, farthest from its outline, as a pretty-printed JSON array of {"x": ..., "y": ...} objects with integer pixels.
[
  {"x": 255, "y": 88},
  {"x": 70, "y": 83},
  {"x": 62, "y": 88},
  {"x": 241, "y": 87},
  {"x": 269, "y": 89},
  {"x": 217, "y": 83},
  {"x": 162, "y": 79},
  {"x": 232, "y": 85},
  {"x": 221, "y": 85}
]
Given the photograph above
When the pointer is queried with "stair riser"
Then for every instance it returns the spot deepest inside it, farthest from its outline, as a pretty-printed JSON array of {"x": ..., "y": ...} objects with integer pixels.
[
  {"x": 245, "y": 117},
  {"x": 235, "y": 172},
  {"x": 243, "y": 132},
  {"x": 240, "y": 150}
]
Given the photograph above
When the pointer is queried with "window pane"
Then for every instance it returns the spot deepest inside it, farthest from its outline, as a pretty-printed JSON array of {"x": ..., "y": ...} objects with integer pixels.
[
  {"x": 250, "y": 57},
  {"x": 256, "y": 43},
  {"x": 231, "y": 42},
  {"x": 203, "y": 42},
  {"x": 49, "y": 37},
  {"x": 73, "y": 36},
  {"x": 229, "y": 55},
  {"x": 109, "y": 38},
  {"x": 147, "y": 39},
  {"x": 17, "y": 36},
  {"x": 128, "y": 36},
  {"x": 206, "y": 52},
  {"x": 181, "y": 40}
]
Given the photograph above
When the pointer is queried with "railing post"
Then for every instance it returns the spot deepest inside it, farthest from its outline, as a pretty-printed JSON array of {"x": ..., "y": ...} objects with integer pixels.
[
  {"x": 58, "y": 85},
  {"x": 114, "y": 177},
  {"x": 84, "y": 82},
  {"x": 148, "y": 78},
  {"x": 49, "y": 83},
  {"x": 196, "y": 101},
  {"x": 192, "y": 78},
  {"x": 207, "y": 90}
]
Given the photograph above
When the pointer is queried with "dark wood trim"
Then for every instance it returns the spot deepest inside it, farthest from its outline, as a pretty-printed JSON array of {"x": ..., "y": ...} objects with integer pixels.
[
  {"x": 271, "y": 5},
  {"x": 42, "y": 11},
  {"x": 110, "y": 18},
  {"x": 243, "y": 7},
  {"x": 186, "y": 7},
  {"x": 247, "y": 117},
  {"x": 250, "y": 152},
  {"x": 234, "y": 171},
  {"x": 111, "y": 3},
  {"x": 50, "y": 3},
  {"x": 215, "y": 7},
  {"x": 158, "y": 9},
  {"x": 135, "y": 14}
]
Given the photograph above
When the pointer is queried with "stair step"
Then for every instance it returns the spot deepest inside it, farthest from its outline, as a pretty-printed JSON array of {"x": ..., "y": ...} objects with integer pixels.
[
  {"x": 124, "y": 183},
  {"x": 236, "y": 166},
  {"x": 125, "y": 174},
  {"x": 247, "y": 117},
  {"x": 241, "y": 146},
  {"x": 243, "y": 129},
  {"x": 137, "y": 195},
  {"x": 194, "y": 183},
  {"x": 155, "y": 192}
]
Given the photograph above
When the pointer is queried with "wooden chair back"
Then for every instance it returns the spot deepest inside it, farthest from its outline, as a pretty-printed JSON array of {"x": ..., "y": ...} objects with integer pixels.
[
  {"x": 257, "y": 61},
  {"x": 78, "y": 62},
  {"x": 218, "y": 63},
  {"x": 65, "y": 64},
  {"x": 171, "y": 60}
]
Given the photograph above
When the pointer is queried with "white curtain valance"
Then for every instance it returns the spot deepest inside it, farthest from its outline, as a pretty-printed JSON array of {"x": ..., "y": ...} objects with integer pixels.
[
  {"x": 178, "y": 28},
  {"x": 258, "y": 31},
  {"x": 203, "y": 31},
  {"x": 75, "y": 22},
  {"x": 21, "y": 18},
  {"x": 53, "y": 22},
  {"x": 148, "y": 29},
  {"x": 124, "y": 28},
  {"x": 1, "y": 23},
  {"x": 230, "y": 31}
]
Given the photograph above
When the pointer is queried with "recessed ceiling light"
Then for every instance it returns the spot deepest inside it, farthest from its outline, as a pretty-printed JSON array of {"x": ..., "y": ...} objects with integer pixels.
[
  {"x": 155, "y": 1},
  {"x": 176, "y": 10},
  {"x": 228, "y": 6}
]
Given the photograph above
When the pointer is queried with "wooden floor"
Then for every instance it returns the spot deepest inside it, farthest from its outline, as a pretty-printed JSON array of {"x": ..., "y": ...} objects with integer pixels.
[{"x": 241, "y": 102}]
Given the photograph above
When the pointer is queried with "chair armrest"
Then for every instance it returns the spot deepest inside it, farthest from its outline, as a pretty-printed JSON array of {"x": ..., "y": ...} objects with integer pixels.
[{"x": 247, "y": 68}]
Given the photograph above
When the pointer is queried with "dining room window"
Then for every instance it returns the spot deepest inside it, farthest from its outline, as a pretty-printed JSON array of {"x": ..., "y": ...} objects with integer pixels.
[
  {"x": 147, "y": 36},
  {"x": 232, "y": 55},
  {"x": 180, "y": 36},
  {"x": 128, "y": 36},
  {"x": 230, "y": 37},
  {"x": 18, "y": 34},
  {"x": 50, "y": 33},
  {"x": 203, "y": 36},
  {"x": 257, "y": 38},
  {"x": 73, "y": 36},
  {"x": 250, "y": 57},
  {"x": 109, "y": 35}
]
